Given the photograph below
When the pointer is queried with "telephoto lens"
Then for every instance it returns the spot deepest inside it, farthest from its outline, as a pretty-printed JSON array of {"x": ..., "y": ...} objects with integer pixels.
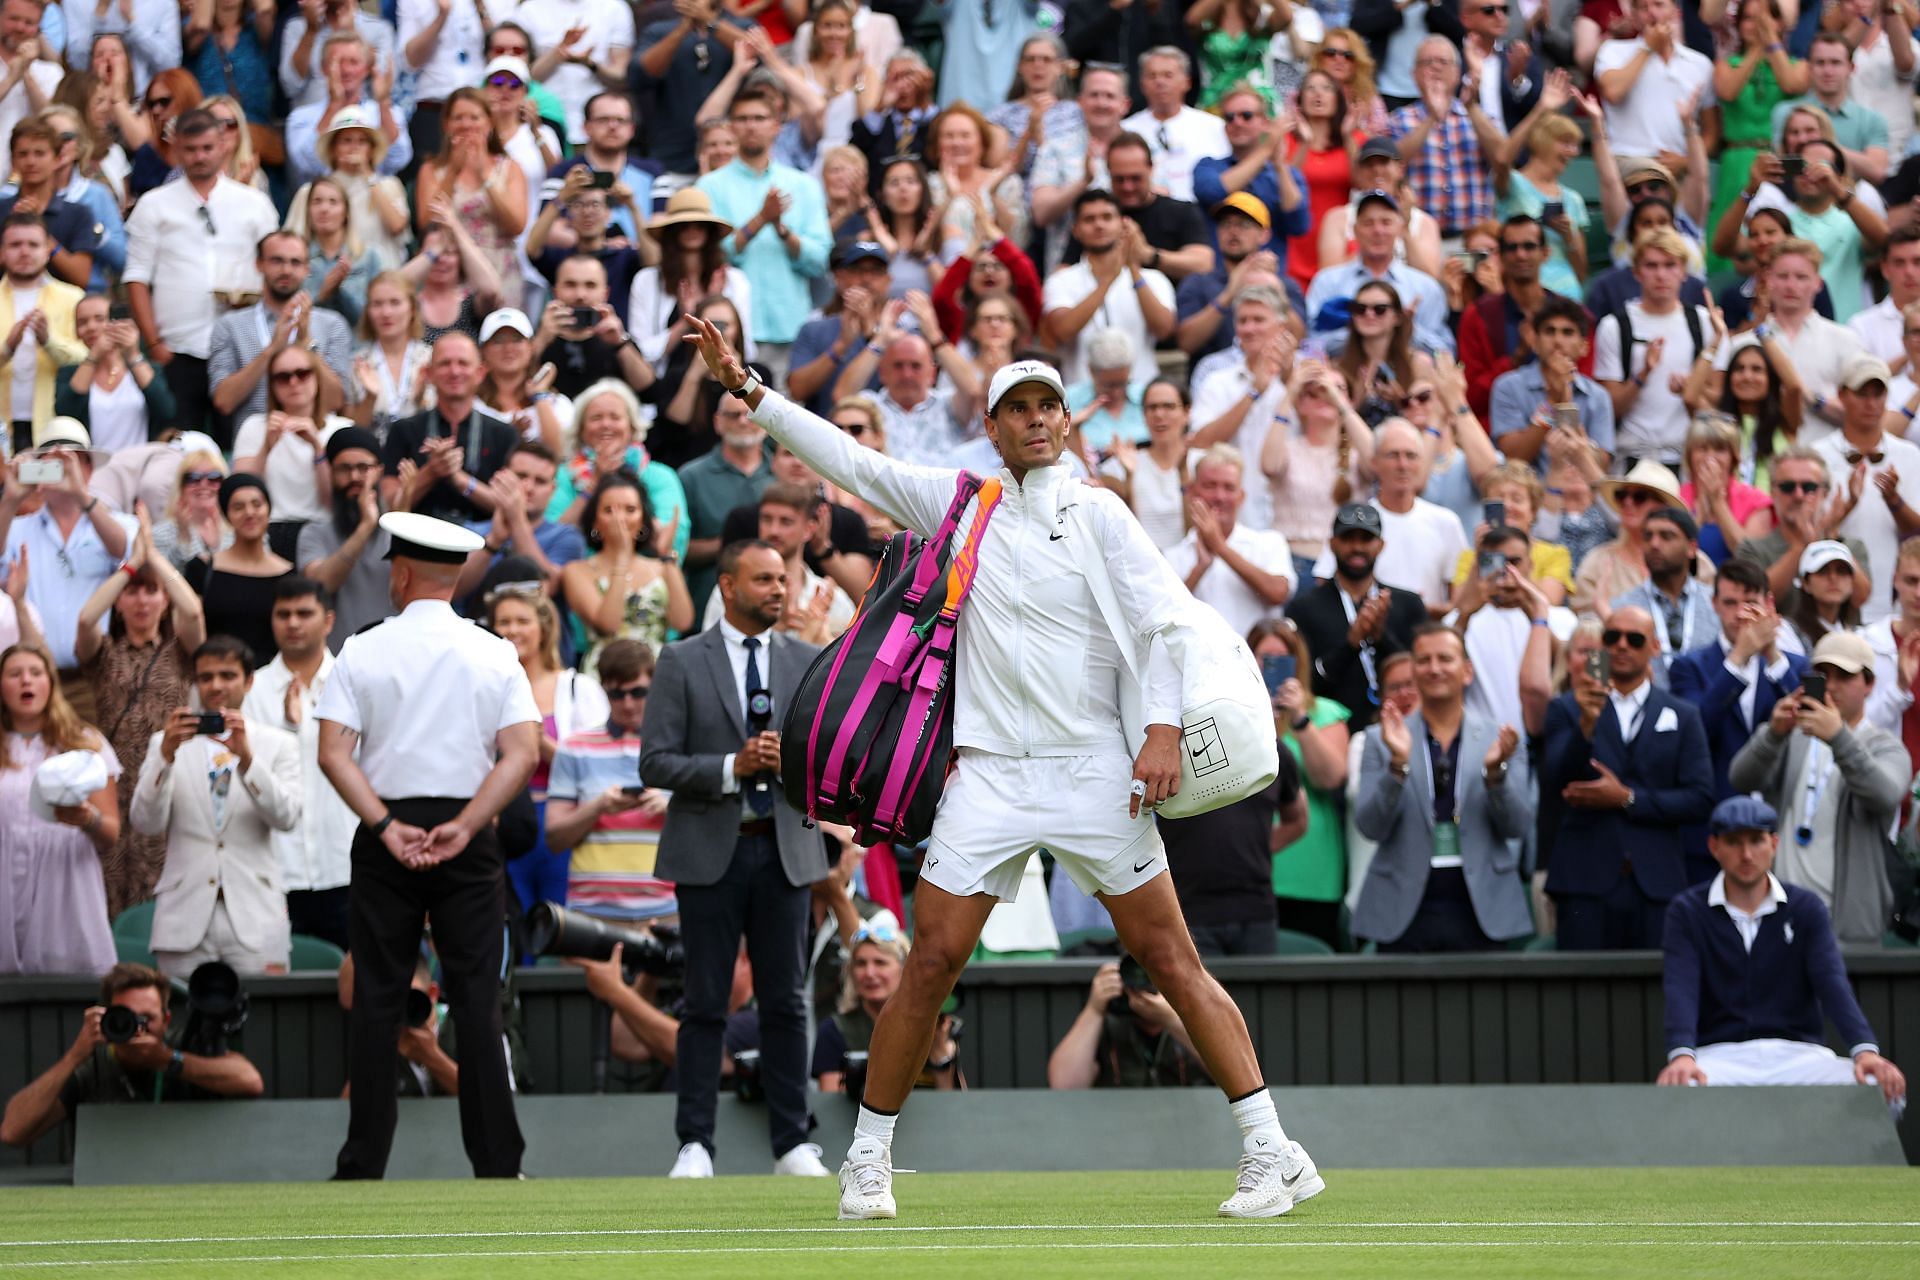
[
  {"x": 419, "y": 1007},
  {"x": 120, "y": 1024},
  {"x": 854, "y": 1066}
]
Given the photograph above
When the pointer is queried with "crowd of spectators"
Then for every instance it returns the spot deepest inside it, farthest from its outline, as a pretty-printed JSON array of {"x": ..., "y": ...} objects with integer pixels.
[{"x": 1534, "y": 397}]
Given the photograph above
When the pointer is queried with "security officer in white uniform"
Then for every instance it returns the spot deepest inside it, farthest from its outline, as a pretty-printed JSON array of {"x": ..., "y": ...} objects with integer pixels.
[
  {"x": 1043, "y": 758},
  {"x": 427, "y": 729}
]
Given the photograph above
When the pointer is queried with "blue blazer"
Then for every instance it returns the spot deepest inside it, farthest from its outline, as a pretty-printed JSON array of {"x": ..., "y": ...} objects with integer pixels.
[
  {"x": 1701, "y": 677},
  {"x": 1670, "y": 774},
  {"x": 1784, "y": 989}
]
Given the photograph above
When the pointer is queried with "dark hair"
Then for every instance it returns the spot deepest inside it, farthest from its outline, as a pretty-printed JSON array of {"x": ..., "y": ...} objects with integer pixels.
[
  {"x": 623, "y": 660},
  {"x": 495, "y": 146},
  {"x": 533, "y": 449},
  {"x": 1093, "y": 195},
  {"x": 1651, "y": 202},
  {"x": 1804, "y": 615},
  {"x": 1523, "y": 220},
  {"x": 921, "y": 213},
  {"x": 589, "y": 514},
  {"x": 1679, "y": 517},
  {"x": 278, "y": 233},
  {"x": 126, "y": 977},
  {"x": 1786, "y": 224},
  {"x": 1503, "y": 533},
  {"x": 297, "y": 586},
  {"x": 1432, "y": 628},
  {"x": 36, "y": 128},
  {"x": 633, "y": 113},
  {"x": 1399, "y": 355},
  {"x": 1128, "y": 138},
  {"x": 226, "y": 647},
  {"x": 759, "y": 91},
  {"x": 21, "y": 218},
  {"x": 195, "y": 123},
  {"x": 729, "y": 562},
  {"x": 1558, "y": 306},
  {"x": 1770, "y": 419},
  {"x": 1742, "y": 573},
  {"x": 1900, "y": 235},
  {"x": 1340, "y": 108},
  {"x": 797, "y": 496},
  {"x": 1179, "y": 389}
]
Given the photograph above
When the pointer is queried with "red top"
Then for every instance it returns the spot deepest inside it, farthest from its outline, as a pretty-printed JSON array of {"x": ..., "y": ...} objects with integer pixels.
[
  {"x": 1329, "y": 176},
  {"x": 946, "y": 294}
]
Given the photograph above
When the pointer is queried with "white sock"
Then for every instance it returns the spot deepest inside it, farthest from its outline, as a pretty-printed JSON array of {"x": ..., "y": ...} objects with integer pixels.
[
  {"x": 1256, "y": 1117},
  {"x": 875, "y": 1126}
]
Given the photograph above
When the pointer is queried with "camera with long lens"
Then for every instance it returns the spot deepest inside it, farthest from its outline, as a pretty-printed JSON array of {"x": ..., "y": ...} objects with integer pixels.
[
  {"x": 746, "y": 1076},
  {"x": 419, "y": 1007},
  {"x": 1133, "y": 977},
  {"x": 216, "y": 1009},
  {"x": 120, "y": 1024},
  {"x": 552, "y": 930}
]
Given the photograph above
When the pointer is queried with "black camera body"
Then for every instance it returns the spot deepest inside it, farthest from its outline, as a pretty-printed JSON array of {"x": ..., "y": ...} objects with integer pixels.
[
  {"x": 552, "y": 930},
  {"x": 854, "y": 1066},
  {"x": 419, "y": 1007},
  {"x": 746, "y": 1076},
  {"x": 120, "y": 1024},
  {"x": 1133, "y": 977}
]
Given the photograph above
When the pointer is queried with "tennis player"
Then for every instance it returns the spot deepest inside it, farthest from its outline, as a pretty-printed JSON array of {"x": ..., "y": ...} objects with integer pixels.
[{"x": 1042, "y": 758}]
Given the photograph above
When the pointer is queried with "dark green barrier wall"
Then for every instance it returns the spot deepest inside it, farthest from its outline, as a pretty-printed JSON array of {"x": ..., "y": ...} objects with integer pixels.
[{"x": 1353, "y": 1020}]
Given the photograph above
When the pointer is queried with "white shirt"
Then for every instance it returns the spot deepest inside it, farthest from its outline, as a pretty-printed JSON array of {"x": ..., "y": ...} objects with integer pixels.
[
  {"x": 56, "y": 594},
  {"x": 649, "y": 309},
  {"x": 16, "y": 106},
  {"x": 117, "y": 419},
  {"x": 1878, "y": 87},
  {"x": 1629, "y": 709},
  {"x": 1747, "y": 923},
  {"x": 1819, "y": 352},
  {"x": 1657, "y": 424},
  {"x": 735, "y": 643},
  {"x": 1496, "y": 643},
  {"x": 428, "y": 692},
  {"x": 1226, "y": 590},
  {"x": 1069, "y": 286},
  {"x": 1647, "y": 122},
  {"x": 458, "y": 56},
  {"x": 609, "y": 26},
  {"x": 1192, "y": 135},
  {"x": 1220, "y": 381},
  {"x": 170, "y": 250},
  {"x": 289, "y": 468},
  {"x": 1879, "y": 329},
  {"x": 26, "y": 356},
  {"x": 1870, "y": 521},
  {"x": 1418, "y": 553},
  {"x": 315, "y": 854},
  {"x": 1888, "y": 702}
]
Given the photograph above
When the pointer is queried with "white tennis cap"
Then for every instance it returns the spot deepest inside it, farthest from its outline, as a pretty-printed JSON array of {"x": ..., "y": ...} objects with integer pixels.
[{"x": 1012, "y": 375}]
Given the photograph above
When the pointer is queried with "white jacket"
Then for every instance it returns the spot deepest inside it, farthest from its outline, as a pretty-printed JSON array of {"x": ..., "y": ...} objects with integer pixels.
[{"x": 1038, "y": 670}]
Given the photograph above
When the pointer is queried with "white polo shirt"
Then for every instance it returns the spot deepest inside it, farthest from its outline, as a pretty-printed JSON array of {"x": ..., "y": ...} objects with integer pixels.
[
  {"x": 1192, "y": 135},
  {"x": 428, "y": 692},
  {"x": 1069, "y": 286},
  {"x": 174, "y": 252},
  {"x": 1648, "y": 121},
  {"x": 1226, "y": 590},
  {"x": 1879, "y": 328}
]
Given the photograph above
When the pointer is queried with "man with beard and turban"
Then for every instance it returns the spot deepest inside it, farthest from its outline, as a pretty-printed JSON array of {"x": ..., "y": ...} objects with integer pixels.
[{"x": 346, "y": 553}]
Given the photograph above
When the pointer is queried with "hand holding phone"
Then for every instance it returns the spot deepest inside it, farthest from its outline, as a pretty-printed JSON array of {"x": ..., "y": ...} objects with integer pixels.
[
  {"x": 1494, "y": 513},
  {"x": 1277, "y": 669},
  {"x": 210, "y": 724},
  {"x": 1814, "y": 686}
]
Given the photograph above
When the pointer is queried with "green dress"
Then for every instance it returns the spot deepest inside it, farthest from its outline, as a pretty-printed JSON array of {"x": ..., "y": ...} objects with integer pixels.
[
  {"x": 1226, "y": 60},
  {"x": 1746, "y": 129},
  {"x": 1314, "y": 867}
]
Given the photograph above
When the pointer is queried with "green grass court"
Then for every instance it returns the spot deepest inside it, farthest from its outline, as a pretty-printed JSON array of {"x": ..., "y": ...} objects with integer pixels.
[{"x": 1796, "y": 1222}]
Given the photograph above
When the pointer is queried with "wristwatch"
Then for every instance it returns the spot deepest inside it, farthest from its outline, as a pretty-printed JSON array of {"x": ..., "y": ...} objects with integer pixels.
[
  {"x": 746, "y": 388},
  {"x": 176, "y": 1064}
]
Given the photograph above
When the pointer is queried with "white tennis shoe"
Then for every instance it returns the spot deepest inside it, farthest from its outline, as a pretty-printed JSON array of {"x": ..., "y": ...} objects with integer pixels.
[
  {"x": 693, "y": 1162},
  {"x": 1272, "y": 1180},
  {"x": 803, "y": 1161},
  {"x": 866, "y": 1182}
]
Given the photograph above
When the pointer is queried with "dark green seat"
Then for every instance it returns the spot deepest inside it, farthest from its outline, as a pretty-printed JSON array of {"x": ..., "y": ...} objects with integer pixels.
[
  {"x": 1289, "y": 943},
  {"x": 136, "y": 922},
  {"x": 315, "y": 953},
  {"x": 1542, "y": 942}
]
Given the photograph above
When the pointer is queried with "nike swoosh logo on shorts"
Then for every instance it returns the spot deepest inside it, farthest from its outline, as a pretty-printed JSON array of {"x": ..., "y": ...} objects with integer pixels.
[{"x": 1138, "y": 867}]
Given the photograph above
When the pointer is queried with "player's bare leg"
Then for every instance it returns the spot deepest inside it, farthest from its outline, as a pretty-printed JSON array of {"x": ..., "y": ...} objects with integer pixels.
[
  {"x": 946, "y": 928},
  {"x": 1275, "y": 1172}
]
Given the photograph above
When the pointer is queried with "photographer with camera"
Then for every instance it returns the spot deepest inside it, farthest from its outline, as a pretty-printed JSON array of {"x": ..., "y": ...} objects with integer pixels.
[
  {"x": 140, "y": 1065},
  {"x": 877, "y": 959},
  {"x": 645, "y": 1031},
  {"x": 1127, "y": 1036}
]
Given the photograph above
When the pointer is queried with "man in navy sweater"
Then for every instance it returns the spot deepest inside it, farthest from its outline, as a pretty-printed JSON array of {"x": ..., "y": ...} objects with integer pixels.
[{"x": 1753, "y": 972}]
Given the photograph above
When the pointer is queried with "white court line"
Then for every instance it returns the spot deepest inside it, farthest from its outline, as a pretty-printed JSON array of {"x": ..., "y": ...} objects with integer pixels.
[
  {"x": 893, "y": 1229},
  {"x": 327, "y": 1258}
]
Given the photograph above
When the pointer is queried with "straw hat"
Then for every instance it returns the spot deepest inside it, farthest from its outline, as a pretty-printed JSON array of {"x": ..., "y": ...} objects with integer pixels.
[
  {"x": 689, "y": 206},
  {"x": 1646, "y": 474},
  {"x": 352, "y": 118}
]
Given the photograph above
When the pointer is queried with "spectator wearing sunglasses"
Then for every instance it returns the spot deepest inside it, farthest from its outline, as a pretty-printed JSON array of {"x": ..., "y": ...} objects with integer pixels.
[
  {"x": 876, "y": 959},
  {"x": 1632, "y": 767},
  {"x": 1800, "y": 483}
]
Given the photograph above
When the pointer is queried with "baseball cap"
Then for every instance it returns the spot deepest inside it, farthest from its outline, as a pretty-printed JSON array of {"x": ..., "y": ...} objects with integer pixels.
[
  {"x": 516, "y": 67},
  {"x": 1865, "y": 368},
  {"x": 1642, "y": 169},
  {"x": 1356, "y": 517},
  {"x": 1382, "y": 148},
  {"x": 1819, "y": 555},
  {"x": 1012, "y": 375},
  {"x": 1742, "y": 813},
  {"x": 1249, "y": 204},
  {"x": 1847, "y": 650},
  {"x": 505, "y": 318},
  {"x": 848, "y": 252},
  {"x": 1377, "y": 196}
]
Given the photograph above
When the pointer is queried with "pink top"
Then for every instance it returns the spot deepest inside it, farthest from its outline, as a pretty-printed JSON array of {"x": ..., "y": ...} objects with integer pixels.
[
  {"x": 1742, "y": 499},
  {"x": 1303, "y": 505}
]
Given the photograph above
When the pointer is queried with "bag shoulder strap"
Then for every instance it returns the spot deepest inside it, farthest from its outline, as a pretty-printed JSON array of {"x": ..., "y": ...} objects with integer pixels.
[{"x": 966, "y": 560}]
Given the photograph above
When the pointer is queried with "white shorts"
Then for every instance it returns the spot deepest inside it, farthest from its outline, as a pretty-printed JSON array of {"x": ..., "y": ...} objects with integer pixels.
[{"x": 997, "y": 810}]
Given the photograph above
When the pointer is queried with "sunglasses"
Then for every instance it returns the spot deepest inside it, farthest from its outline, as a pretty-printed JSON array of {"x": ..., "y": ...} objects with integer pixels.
[
  {"x": 159, "y": 104},
  {"x": 206, "y": 220},
  {"x": 1521, "y": 246},
  {"x": 882, "y": 932},
  {"x": 65, "y": 138},
  {"x": 853, "y": 428},
  {"x": 1634, "y": 639},
  {"x": 202, "y": 477},
  {"x": 1486, "y": 10},
  {"x": 1636, "y": 497},
  {"x": 1853, "y": 458},
  {"x": 638, "y": 693},
  {"x": 1791, "y": 487},
  {"x": 1346, "y": 54},
  {"x": 1646, "y": 188},
  {"x": 228, "y": 126},
  {"x": 1420, "y": 397},
  {"x": 504, "y": 80},
  {"x": 1374, "y": 309},
  {"x": 292, "y": 375}
]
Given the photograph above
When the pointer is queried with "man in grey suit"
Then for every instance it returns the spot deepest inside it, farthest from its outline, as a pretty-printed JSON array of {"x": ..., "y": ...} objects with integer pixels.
[
  {"x": 1446, "y": 795},
  {"x": 739, "y": 855}
]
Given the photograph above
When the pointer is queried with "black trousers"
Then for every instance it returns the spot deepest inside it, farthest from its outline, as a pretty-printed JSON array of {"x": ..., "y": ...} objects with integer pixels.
[
  {"x": 1624, "y": 919},
  {"x": 1445, "y": 920},
  {"x": 1235, "y": 938},
  {"x": 320, "y": 913},
  {"x": 466, "y": 900},
  {"x": 187, "y": 379},
  {"x": 753, "y": 899}
]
